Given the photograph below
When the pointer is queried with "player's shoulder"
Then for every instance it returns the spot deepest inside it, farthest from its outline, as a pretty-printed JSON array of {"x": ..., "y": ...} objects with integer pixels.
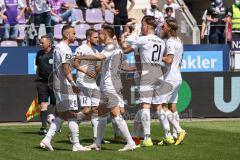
[{"x": 110, "y": 47}]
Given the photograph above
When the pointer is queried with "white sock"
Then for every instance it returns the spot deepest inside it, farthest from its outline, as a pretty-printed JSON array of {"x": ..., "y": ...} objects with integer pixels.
[
  {"x": 74, "y": 130},
  {"x": 162, "y": 117},
  {"x": 173, "y": 121},
  {"x": 102, "y": 122},
  {"x": 116, "y": 129},
  {"x": 122, "y": 125},
  {"x": 94, "y": 120},
  {"x": 54, "y": 127},
  {"x": 146, "y": 122},
  {"x": 137, "y": 126},
  {"x": 177, "y": 118},
  {"x": 174, "y": 134}
]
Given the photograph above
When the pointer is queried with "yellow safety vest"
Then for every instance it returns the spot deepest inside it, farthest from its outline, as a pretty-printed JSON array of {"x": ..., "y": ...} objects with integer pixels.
[{"x": 235, "y": 17}]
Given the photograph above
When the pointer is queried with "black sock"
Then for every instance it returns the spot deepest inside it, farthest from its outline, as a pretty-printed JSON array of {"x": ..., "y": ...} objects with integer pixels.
[{"x": 44, "y": 119}]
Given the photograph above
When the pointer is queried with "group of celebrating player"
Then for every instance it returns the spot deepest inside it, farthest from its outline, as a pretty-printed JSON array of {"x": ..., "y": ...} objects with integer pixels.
[{"x": 158, "y": 83}]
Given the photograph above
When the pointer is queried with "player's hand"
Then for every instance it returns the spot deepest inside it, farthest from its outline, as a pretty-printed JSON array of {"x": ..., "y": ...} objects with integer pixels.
[
  {"x": 91, "y": 74},
  {"x": 76, "y": 89}
]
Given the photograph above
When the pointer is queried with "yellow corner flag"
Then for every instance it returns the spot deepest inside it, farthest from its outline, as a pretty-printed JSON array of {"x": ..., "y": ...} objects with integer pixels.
[{"x": 34, "y": 109}]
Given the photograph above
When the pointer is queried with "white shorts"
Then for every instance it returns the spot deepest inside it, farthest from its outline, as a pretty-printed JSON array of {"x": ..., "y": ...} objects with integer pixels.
[
  {"x": 111, "y": 99},
  {"x": 65, "y": 102},
  {"x": 89, "y": 97},
  {"x": 170, "y": 97},
  {"x": 149, "y": 93}
]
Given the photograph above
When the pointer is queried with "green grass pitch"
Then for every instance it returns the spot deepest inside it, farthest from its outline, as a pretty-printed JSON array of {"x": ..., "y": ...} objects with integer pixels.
[{"x": 215, "y": 140}]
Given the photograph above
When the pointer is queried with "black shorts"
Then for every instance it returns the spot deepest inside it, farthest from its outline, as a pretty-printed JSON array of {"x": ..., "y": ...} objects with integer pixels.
[{"x": 44, "y": 92}]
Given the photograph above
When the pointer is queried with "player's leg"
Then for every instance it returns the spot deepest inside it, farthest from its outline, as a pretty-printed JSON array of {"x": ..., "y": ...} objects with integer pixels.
[
  {"x": 117, "y": 133},
  {"x": 122, "y": 125},
  {"x": 172, "y": 113},
  {"x": 43, "y": 94},
  {"x": 94, "y": 121},
  {"x": 162, "y": 117},
  {"x": 114, "y": 102},
  {"x": 137, "y": 132},
  {"x": 146, "y": 123},
  {"x": 54, "y": 127}
]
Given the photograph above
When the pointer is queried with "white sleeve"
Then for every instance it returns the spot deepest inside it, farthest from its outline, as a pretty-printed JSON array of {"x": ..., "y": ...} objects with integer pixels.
[
  {"x": 78, "y": 51},
  {"x": 20, "y": 4},
  {"x": 170, "y": 47},
  {"x": 66, "y": 56},
  {"x": 131, "y": 39},
  {"x": 106, "y": 53},
  {"x": 204, "y": 17},
  {"x": 138, "y": 43}
]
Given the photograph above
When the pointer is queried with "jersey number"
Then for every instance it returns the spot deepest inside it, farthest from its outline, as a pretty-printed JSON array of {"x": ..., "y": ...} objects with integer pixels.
[{"x": 157, "y": 50}]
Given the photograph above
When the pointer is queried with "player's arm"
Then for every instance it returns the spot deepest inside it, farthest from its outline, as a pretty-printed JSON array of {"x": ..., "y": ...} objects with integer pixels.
[
  {"x": 76, "y": 65},
  {"x": 96, "y": 57},
  {"x": 125, "y": 48},
  {"x": 170, "y": 51},
  {"x": 168, "y": 59},
  {"x": 125, "y": 66}
]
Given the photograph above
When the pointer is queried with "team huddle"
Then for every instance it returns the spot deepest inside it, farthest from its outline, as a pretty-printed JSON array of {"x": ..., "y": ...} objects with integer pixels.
[{"x": 158, "y": 80}]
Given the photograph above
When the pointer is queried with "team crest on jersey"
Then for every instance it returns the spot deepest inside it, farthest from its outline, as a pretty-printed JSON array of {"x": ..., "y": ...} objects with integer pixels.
[
  {"x": 50, "y": 61},
  {"x": 68, "y": 57}
]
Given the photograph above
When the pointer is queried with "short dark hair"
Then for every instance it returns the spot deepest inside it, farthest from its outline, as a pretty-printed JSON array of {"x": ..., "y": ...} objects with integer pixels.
[
  {"x": 66, "y": 27},
  {"x": 150, "y": 20},
  {"x": 109, "y": 29},
  {"x": 90, "y": 31},
  {"x": 46, "y": 36},
  {"x": 169, "y": 9}
]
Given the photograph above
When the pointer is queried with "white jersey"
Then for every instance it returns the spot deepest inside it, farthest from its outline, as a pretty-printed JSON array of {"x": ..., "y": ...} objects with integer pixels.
[
  {"x": 82, "y": 78},
  {"x": 111, "y": 67},
  {"x": 174, "y": 47},
  {"x": 151, "y": 49},
  {"x": 62, "y": 54},
  {"x": 174, "y": 7}
]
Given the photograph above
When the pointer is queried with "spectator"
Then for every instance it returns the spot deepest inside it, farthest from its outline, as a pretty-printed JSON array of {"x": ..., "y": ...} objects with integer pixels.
[
  {"x": 121, "y": 15},
  {"x": 9, "y": 14},
  {"x": 61, "y": 11},
  {"x": 175, "y": 6},
  {"x": 234, "y": 13},
  {"x": 217, "y": 15},
  {"x": 205, "y": 28},
  {"x": 42, "y": 15},
  {"x": 169, "y": 12},
  {"x": 108, "y": 4},
  {"x": 44, "y": 63},
  {"x": 87, "y": 4},
  {"x": 154, "y": 11}
]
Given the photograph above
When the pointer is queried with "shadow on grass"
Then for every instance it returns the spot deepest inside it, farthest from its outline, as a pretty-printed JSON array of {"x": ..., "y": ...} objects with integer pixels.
[
  {"x": 30, "y": 132},
  {"x": 55, "y": 149}
]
